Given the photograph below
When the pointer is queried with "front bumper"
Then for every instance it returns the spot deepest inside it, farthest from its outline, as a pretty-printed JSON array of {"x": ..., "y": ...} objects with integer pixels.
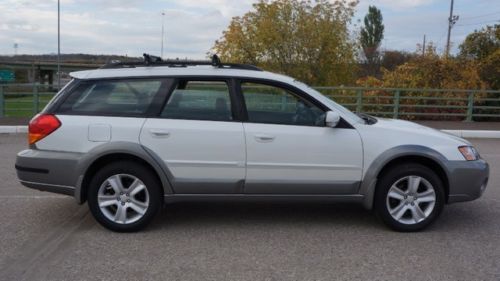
[
  {"x": 467, "y": 180},
  {"x": 51, "y": 171}
]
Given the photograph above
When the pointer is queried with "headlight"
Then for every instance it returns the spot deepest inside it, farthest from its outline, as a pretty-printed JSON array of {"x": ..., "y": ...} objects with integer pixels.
[{"x": 469, "y": 153}]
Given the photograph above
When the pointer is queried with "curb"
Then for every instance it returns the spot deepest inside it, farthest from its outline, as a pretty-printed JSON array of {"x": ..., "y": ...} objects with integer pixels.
[
  {"x": 481, "y": 134},
  {"x": 13, "y": 129}
]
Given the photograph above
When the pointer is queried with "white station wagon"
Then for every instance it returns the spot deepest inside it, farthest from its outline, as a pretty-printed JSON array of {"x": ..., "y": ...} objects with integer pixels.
[{"x": 129, "y": 137}]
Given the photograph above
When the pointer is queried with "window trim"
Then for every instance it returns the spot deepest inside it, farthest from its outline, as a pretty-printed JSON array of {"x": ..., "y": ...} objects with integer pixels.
[
  {"x": 166, "y": 83},
  {"x": 238, "y": 105},
  {"x": 234, "y": 102},
  {"x": 343, "y": 124}
]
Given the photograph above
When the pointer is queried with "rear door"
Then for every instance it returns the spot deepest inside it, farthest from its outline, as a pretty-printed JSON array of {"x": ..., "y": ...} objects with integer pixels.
[
  {"x": 199, "y": 137},
  {"x": 289, "y": 148}
]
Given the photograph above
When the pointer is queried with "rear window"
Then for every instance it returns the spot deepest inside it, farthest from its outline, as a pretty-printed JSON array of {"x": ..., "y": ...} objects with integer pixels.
[{"x": 124, "y": 97}]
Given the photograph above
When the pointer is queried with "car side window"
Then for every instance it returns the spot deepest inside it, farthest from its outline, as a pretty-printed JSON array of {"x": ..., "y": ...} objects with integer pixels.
[
  {"x": 275, "y": 105},
  {"x": 111, "y": 97},
  {"x": 199, "y": 100}
]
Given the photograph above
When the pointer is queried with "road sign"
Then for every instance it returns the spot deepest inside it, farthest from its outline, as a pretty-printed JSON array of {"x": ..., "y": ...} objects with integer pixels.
[{"x": 7, "y": 75}]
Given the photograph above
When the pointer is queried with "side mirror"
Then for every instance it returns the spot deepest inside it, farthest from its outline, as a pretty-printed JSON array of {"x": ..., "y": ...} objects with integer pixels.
[{"x": 332, "y": 119}]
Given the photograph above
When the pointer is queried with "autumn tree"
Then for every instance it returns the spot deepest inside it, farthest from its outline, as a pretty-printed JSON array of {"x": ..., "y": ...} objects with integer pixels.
[
  {"x": 480, "y": 44},
  {"x": 308, "y": 40},
  {"x": 393, "y": 58},
  {"x": 483, "y": 47},
  {"x": 371, "y": 36}
]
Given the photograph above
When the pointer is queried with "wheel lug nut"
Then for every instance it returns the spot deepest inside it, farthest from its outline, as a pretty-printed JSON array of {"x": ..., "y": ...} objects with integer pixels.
[
  {"x": 123, "y": 203},
  {"x": 121, "y": 193},
  {"x": 128, "y": 200},
  {"x": 127, "y": 194}
]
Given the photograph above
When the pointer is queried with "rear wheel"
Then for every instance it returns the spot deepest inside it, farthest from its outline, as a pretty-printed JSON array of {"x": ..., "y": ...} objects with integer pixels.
[
  {"x": 124, "y": 196},
  {"x": 409, "y": 197}
]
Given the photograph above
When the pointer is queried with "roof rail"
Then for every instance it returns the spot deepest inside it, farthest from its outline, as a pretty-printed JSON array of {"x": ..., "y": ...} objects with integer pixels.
[{"x": 150, "y": 60}]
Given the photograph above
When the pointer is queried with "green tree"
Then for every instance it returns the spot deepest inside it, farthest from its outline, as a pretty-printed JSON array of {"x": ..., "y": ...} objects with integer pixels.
[
  {"x": 490, "y": 70},
  {"x": 308, "y": 40},
  {"x": 371, "y": 35},
  {"x": 480, "y": 44},
  {"x": 483, "y": 47}
]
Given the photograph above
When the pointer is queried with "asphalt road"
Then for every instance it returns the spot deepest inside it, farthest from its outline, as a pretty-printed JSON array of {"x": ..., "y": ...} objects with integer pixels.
[{"x": 49, "y": 237}]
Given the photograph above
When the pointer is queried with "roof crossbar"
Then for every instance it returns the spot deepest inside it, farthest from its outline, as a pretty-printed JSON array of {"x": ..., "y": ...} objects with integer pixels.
[{"x": 150, "y": 60}]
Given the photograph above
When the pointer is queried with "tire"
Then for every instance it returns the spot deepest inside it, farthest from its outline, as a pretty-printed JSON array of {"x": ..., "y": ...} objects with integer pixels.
[
  {"x": 124, "y": 196},
  {"x": 409, "y": 197}
]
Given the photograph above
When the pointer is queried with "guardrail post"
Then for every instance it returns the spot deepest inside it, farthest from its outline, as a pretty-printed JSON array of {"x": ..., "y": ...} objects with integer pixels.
[
  {"x": 359, "y": 100},
  {"x": 470, "y": 106},
  {"x": 283, "y": 102},
  {"x": 2, "y": 103},
  {"x": 397, "y": 96},
  {"x": 36, "y": 100}
]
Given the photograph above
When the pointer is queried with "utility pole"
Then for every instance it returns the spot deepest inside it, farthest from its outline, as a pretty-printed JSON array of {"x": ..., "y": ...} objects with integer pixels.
[
  {"x": 58, "y": 45},
  {"x": 423, "y": 47},
  {"x": 162, "y": 32},
  {"x": 451, "y": 22},
  {"x": 15, "y": 48}
]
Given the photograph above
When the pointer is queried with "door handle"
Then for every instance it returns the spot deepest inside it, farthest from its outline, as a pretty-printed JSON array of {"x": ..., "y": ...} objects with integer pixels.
[
  {"x": 159, "y": 133},
  {"x": 264, "y": 138}
]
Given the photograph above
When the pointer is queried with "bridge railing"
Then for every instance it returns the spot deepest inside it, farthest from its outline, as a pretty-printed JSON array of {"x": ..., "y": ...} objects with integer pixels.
[{"x": 23, "y": 100}]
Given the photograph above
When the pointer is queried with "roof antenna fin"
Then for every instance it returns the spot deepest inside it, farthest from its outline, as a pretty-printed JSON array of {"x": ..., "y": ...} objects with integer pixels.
[
  {"x": 150, "y": 59},
  {"x": 216, "y": 61}
]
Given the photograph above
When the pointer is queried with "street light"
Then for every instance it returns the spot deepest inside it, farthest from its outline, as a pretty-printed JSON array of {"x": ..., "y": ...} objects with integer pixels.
[
  {"x": 58, "y": 45},
  {"x": 162, "y": 31}
]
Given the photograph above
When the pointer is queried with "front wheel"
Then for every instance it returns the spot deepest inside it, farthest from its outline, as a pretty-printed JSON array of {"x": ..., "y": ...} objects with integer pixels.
[
  {"x": 124, "y": 196},
  {"x": 409, "y": 197}
]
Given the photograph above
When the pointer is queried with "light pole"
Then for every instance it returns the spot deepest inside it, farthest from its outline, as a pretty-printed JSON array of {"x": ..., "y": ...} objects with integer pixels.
[
  {"x": 451, "y": 22},
  {"x": 58, "y": 45},
  {"x": 162, "y": 31}
]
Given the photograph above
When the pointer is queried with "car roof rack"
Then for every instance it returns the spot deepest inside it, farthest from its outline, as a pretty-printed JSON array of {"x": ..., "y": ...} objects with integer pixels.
[{"x": 150, "y": 60}]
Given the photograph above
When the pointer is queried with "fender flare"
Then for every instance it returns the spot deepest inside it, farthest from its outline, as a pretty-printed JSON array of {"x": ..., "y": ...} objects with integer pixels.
[
  {"x": 129, "y": 148},
  {"x": 369, "y": 182}
]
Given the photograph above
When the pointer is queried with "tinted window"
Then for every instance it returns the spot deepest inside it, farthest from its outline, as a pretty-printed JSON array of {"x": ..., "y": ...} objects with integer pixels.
[
  {"x": 112, "y": 97},
  {"x": 199, "y": 100},
  {"x": 270, "y": 104}
]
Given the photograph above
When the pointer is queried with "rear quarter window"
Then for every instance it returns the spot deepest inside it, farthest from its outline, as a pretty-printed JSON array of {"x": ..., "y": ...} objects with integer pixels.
[{"x": 121, "y": 97}]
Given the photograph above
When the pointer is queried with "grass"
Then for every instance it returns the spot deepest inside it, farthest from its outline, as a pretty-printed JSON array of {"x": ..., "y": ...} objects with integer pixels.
[{"x": 22, "y": 105}]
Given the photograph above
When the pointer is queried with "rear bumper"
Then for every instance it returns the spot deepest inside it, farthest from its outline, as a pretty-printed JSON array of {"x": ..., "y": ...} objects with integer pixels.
[
  {"x": 468, "y": 180},
  {"x": 51, "y": 171}
]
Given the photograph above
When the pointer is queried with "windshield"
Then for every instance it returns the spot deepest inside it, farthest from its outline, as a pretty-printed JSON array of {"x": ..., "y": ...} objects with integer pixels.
[{"x": 344, "y": 111}]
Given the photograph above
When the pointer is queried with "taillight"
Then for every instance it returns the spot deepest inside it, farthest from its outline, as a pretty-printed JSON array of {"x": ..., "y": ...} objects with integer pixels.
[{"x": 41, "y": 126}]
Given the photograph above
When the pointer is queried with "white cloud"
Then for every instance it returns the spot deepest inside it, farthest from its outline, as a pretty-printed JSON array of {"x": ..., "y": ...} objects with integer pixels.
[
  {"x": 134, "y": 26},
  {"x": 394, "y": 4}
]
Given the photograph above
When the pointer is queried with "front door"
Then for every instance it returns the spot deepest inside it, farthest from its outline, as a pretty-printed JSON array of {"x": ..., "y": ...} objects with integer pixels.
[{"x": 289, "y": 148}]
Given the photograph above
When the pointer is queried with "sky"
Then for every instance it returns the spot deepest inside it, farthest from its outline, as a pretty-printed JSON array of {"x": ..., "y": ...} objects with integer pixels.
[{"x": 133, "y": 27}]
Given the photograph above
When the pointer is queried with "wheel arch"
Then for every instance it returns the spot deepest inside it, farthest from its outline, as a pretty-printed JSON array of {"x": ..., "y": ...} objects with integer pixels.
[
  {"x": 396, "y": 156},
  {"x": 106, "y": 154}
]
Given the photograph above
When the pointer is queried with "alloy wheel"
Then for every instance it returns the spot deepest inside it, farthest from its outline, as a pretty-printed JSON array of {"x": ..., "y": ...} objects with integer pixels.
[
  {"x": 411, "y": 199},
  {"x": 123, "y": 198}
]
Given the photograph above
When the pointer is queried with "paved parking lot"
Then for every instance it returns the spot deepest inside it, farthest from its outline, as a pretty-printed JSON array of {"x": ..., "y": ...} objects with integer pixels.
[{"x": 48, "y": 237}]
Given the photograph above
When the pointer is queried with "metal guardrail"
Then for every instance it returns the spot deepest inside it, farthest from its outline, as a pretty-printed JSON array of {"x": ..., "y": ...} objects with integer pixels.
[
  {"x": 24, "y": 100},
  {"x": 408, "y": 103}
]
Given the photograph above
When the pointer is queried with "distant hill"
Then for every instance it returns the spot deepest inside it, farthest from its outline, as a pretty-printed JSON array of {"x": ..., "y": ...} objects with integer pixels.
[{"x": 74, "y": 58}]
